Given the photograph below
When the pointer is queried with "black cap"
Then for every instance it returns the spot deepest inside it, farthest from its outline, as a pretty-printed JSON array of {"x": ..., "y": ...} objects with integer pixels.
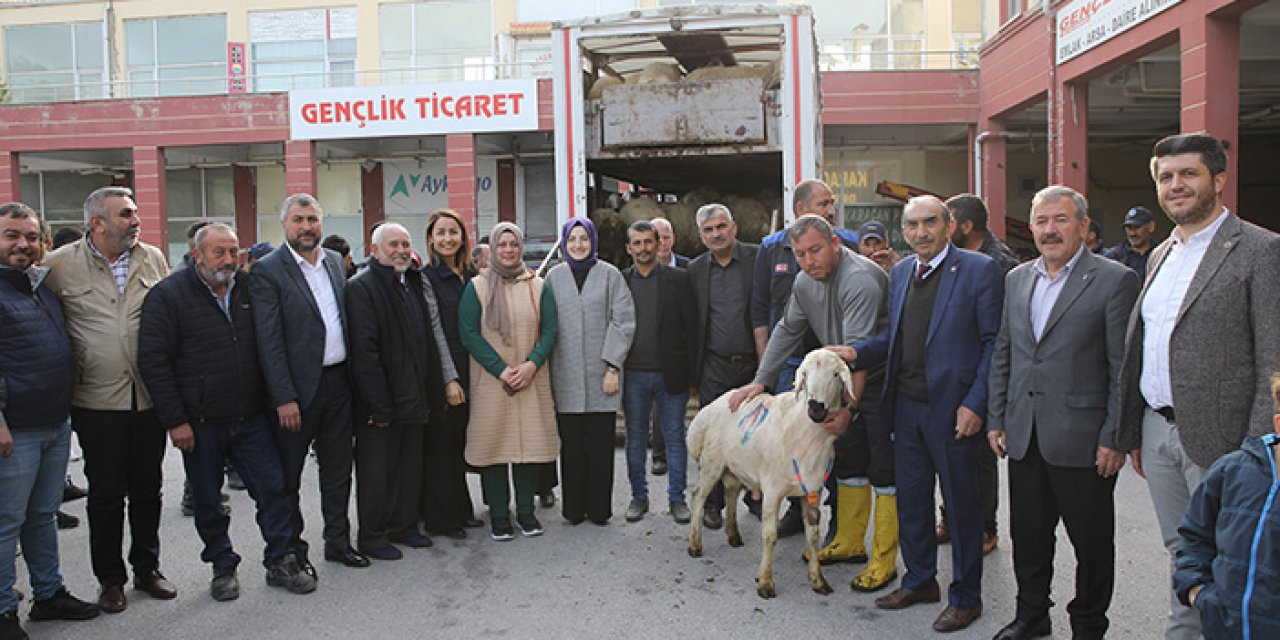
[
  {"x": 873, "y": 229},
  {"x": 1137, "y": 217}
]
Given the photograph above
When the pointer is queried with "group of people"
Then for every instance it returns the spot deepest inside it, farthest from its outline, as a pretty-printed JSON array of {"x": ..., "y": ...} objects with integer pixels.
[{"x": 421, "y": 366}]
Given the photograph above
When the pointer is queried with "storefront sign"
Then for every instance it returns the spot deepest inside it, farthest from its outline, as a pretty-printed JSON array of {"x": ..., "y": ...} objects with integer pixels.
[
  {"x": 1085, "y": 24},
  {"x": 236, "y": 82},
  {"x": 407, "y": 110},
  {"x": 412, "y": 187}
]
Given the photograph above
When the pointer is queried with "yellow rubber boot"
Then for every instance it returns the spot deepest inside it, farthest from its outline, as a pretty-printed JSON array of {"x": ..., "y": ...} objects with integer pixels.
[
  {"x": 853, "y": 510},
  {"x": 883, "y": 567}
]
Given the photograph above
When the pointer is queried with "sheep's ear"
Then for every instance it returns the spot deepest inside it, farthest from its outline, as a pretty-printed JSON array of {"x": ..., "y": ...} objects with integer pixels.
[
  {"x": 847, "y": 379},
  {"x": 798, "y": 384}
]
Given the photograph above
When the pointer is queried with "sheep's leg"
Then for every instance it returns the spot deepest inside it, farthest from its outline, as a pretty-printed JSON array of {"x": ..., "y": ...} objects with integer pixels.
[
  {"x": 732, "y": 489},
  {"x": 816, "y": 580},
  {"x": 769, "y": 530},
  {"x": 697, "y": 501}
]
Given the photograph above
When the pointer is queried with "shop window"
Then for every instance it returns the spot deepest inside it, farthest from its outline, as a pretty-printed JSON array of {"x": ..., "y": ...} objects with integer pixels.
[
  {"x": 177, "y": 56},
  {"x": 55, "y": 62},
  {"x": 305, "y": 49},
  {"x": 436, "y": 41}
]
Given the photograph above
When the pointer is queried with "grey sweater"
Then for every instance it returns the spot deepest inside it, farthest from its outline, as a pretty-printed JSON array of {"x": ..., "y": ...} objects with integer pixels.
[
  {"x": 596, "y": 327},
  {"x": 848, "y": 306}
]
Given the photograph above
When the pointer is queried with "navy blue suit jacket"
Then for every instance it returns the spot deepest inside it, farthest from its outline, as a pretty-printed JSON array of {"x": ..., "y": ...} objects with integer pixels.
[
  {"x": 962, "y": 334},
  {"x": 289, "y": 326}
]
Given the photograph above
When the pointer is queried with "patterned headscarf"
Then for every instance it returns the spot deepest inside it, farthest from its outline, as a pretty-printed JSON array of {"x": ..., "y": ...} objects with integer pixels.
[
  {"x": 499, "y": 278},
  {"x": 590, "y": 260}
]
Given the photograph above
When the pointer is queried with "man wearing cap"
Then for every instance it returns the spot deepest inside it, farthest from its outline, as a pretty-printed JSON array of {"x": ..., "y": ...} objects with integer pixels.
[
  {"x": 873, "y": 242},
  {"x": 258, "y": 251},
  {"x": 1139, "y": 225}
]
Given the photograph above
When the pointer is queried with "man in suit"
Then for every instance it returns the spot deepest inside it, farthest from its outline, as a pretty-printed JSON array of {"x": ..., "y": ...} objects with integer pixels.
[
  {"x": 298, "y": 289},
  {"x": 657, "y": 368},
  {"x": 944, "y": 313},
  {"x": 1053, "y": 411},
  {"x": 1201, "y": 340},
  {"x": 721, "y": 281}
]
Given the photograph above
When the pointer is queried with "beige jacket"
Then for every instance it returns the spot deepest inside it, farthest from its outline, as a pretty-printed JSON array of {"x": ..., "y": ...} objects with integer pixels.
[{"x": 103, "y": 324}]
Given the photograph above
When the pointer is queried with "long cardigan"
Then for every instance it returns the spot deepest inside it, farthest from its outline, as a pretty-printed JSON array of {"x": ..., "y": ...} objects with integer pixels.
[
  {"x": 509, "y": 429},
  {"x": 596, "y": 329}
]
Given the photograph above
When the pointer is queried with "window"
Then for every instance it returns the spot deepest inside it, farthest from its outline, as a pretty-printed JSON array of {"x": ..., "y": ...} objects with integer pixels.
[
  {"x": 543, "y": 11},
  {"x": 197, "y": 194},
  {"x": 873, "y": 34},
  {"x": 55, "y": 62},
  {"x": 304, "y": 49},
  {"x": 437, "y": 41},
  {"x": 177, "y": 56}
]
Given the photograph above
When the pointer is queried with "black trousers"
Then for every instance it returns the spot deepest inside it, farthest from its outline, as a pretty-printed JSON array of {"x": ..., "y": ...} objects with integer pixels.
[
  {"x": 388, "y": 481},
  {"x": 865, "y": 449},
  {"x": 327, "y": 423},
  {"x": 988, "y": 489},
  {"x": 446, "y": 501},
  {"x": 123, "y": 453},
  {"x": 1040, "y": 494},
  {"x": 719, "y": 375},
  {"x": 586, "y": 465}
]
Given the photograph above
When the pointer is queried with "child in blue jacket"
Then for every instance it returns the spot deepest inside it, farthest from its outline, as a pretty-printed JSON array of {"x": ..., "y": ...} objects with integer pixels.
[{"x": 1228, "y": 566}]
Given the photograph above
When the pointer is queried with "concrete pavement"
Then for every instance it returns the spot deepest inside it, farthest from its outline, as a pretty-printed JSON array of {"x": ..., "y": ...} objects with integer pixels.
[{"x": 632, "y": 580}]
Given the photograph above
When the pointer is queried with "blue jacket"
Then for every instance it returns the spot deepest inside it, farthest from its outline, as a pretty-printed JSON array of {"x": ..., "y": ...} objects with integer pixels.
[
  {"x": 1231, "y": 545},
  {"x": 962, "y": 334},
  {"x": 35, "y": 354}
]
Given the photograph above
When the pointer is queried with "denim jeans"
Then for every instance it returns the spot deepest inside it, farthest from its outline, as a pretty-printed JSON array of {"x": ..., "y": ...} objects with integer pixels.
[
  {"x": 31, "y": 481},
  {"x": 640, "y": 389},
  {"x": 250, "y": 447}
]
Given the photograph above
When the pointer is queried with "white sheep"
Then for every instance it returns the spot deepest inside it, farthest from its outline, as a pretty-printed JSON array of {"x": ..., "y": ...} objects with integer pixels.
[{"x": 774, "y": 446}]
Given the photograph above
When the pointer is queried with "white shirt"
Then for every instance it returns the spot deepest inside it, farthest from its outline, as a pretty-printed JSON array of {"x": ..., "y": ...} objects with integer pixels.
[
  {"x": 934, "y": 263},
  {"x": 1046, "y": 291},
  {"x": 1160, "y": 308},
  {"x": 317, "y": 277}
]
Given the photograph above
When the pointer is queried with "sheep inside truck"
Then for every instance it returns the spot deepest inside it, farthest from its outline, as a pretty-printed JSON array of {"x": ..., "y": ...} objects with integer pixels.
[{"x": 774, "y": 446}]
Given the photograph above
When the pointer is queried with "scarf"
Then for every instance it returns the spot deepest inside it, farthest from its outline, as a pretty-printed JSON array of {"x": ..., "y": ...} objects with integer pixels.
[
  {"x": 590, "y": 260},
  {"x": 499, "y": 278}
]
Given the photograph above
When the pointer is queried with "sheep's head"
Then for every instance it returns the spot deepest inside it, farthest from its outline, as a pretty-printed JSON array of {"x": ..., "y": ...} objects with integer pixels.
[{"x": 824, "y": 379}]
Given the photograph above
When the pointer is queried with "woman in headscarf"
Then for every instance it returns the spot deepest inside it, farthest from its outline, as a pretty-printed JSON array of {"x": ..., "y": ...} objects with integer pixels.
[
  {"x": 507, "y": 322},
  {"x": 446, "y": 502},
  {"x": 597, "y": 321}
]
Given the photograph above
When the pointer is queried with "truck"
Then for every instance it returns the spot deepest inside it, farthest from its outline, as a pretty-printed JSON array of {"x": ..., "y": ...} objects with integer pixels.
[{"x": 686, "y": 104}]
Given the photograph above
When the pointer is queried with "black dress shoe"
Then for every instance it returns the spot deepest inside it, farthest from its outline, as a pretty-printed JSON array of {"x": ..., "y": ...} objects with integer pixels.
[
  {"x": 349, "y": 557},
  {"x": 156, "y": 585},
  {"x": 1020, "y": 629},
  {"x": 791, "y": 523},
  {"x": 71, "y": 492},
  {"x": 67, "y": 521}
]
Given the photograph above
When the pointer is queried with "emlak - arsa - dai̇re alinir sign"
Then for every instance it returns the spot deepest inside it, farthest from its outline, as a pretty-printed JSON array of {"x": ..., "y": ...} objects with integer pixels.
[
  {"x": 1085, "y": 24},
  {"x": 408, "y": 110}
]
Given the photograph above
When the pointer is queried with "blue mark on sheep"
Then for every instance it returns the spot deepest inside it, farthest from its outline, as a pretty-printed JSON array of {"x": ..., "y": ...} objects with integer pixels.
[{"x": 751, "y": 421}]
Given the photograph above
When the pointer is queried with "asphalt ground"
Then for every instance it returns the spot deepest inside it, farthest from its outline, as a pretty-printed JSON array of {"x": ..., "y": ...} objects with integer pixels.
[{"x": 632, "y": 580}]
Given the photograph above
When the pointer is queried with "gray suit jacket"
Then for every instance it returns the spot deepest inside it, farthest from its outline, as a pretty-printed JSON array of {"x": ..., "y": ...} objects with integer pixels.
[
  {"x": 289, "y": 327},
  {"x": 1063, "y": 386},
  {"x": 1224, "y": 345}
]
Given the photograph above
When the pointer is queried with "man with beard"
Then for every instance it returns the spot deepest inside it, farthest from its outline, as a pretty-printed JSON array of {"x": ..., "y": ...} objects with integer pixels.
[
  {"x": 214, "y": 406},
  {"x": 395, "y": 340},
  {"x": 1139, "y": 225},
  {"x": 1201, "y": 341},
  {"x": 35, "y": 391},
  {"x": 102, "y": 281},
  {"x": 297, "y": 291}
]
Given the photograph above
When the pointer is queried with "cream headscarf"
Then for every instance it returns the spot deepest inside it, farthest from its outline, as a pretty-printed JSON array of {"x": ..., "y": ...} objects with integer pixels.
[{"x": 500, "y": 277}]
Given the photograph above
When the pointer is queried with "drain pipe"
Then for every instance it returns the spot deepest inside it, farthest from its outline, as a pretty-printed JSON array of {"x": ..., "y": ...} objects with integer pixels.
[{"x": 977, "y": 163}]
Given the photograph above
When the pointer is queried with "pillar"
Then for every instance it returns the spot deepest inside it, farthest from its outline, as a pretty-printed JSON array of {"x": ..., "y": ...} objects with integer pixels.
[
  {"x": 1210, "y": 62},
  {"x": 299, "y": 167},
  {"x": 1069, "y": 160},
  {"x": 992, "y": 188},
  {"x": 460, "y": 169},
  {"x": 10, "y": 177},
  {"x": 372, "y": 208},
  {"x": 245, "y": 189},
  {"x": 149, "y": 194}
]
